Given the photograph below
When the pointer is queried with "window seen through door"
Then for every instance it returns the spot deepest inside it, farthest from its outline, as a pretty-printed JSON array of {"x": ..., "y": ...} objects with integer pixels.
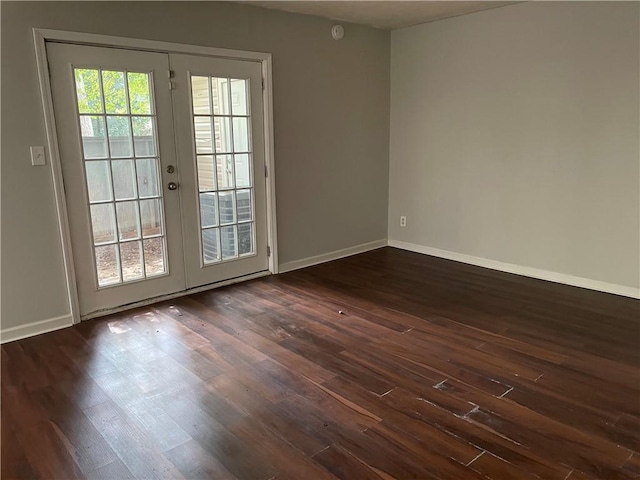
[{"x": 221, "y": 125}]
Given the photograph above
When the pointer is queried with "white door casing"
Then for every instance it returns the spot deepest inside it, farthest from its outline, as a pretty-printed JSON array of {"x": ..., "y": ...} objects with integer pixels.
[{"x": 180, "y": 209}]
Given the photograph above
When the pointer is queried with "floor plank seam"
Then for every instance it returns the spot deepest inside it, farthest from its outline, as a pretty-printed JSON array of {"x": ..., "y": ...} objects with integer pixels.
[
  {"x": 505, "y": 393},
  {"x": 476, "y": 458}
]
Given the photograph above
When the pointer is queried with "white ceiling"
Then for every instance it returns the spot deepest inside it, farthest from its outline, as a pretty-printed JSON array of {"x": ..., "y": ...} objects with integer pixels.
[{"x": 381, "y": 14}]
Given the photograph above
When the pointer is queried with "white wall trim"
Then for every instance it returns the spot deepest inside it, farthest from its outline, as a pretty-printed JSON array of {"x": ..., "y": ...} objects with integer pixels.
[
  {"x": 99, "y": 40},
  {"x": 56, "y": 173},
  {"x": 44, "y": 326},
  {"x": 520, "y": 269},
  {"x": 35, "y": 328},
  {"x": 335, "y": 255},
  {"x": 270, "y": 155}
]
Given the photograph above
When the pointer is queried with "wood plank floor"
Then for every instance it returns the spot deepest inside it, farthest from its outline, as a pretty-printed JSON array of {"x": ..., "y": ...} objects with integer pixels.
[{"x": 384, "y": 365}]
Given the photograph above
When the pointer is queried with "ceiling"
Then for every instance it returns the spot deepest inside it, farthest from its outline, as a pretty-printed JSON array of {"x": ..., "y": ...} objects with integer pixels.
[{"x": 387, "y": 15}]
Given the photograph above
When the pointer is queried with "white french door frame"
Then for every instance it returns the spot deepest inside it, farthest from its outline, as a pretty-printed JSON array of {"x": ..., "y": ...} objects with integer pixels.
[{"x": 40, "y": 37}]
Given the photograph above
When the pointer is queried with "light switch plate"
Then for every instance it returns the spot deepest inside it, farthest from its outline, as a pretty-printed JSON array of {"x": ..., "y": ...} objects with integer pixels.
[{"x": 37, "y": 156}]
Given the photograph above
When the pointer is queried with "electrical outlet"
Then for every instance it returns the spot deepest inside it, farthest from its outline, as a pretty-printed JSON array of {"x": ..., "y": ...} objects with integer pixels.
[{"x": 403, "y": 221}]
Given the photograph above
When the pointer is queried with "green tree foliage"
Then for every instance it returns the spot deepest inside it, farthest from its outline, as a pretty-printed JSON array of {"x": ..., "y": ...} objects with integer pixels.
[{"x": 89, "y": 92}]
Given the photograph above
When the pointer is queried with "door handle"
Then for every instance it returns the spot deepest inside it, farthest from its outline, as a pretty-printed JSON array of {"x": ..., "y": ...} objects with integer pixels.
[{"x": 172, "y": 186}]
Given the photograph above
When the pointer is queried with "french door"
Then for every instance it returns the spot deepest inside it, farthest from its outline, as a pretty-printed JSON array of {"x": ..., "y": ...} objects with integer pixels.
[{"x": 162, "y": 157}]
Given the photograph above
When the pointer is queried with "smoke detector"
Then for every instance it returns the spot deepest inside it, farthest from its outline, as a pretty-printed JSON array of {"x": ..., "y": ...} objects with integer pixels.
[{"x": 337, "y": 32}]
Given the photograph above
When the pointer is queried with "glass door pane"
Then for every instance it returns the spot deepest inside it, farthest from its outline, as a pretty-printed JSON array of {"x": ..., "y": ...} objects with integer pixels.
[
  {"x": 220, "y": 110},
  {"x": 118, "y": 158},
  {"x": 117, "y": 120}
]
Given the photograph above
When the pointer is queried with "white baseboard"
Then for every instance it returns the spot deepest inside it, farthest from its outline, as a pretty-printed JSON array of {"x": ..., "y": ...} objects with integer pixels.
[
  {"x": 45, "y": 326},
  {"x": 335, "y": 255},
  {"x": 35, "y": 328},
  {"x": 521, "y": 270}
]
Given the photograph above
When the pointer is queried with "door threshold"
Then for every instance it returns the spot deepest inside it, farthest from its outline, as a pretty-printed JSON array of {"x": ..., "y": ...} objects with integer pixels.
[{"x": 169, "y": 296}]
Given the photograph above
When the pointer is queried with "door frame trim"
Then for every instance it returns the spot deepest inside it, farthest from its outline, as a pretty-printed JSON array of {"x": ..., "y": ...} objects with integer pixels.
[{"x": 41, "y": 36}]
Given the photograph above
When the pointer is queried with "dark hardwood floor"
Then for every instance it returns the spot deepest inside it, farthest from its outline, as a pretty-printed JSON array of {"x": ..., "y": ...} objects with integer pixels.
[{"x": 384, "y": 365}]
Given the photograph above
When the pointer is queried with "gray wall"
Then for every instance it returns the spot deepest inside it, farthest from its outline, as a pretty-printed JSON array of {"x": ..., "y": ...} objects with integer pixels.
[
  {"x": 515, "y": 137},
  {"x": 331, "y": 116}
]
